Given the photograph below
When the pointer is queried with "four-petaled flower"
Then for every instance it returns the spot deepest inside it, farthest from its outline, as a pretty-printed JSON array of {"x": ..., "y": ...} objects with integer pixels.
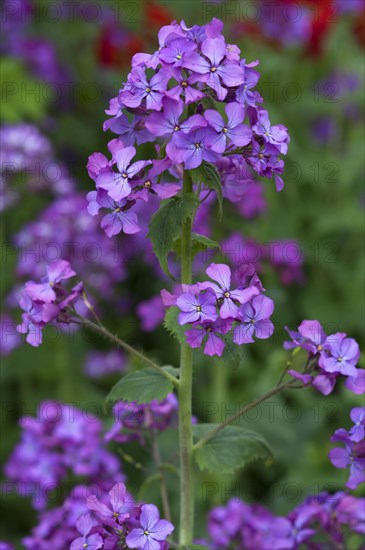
[
  {"x": 227, "y": 298},
  {"x": 196, "y": 307},
  {"x": 234, "y": 129},
  {"x": 254, "y": 317},
  {"x": 153, "y": 530}
]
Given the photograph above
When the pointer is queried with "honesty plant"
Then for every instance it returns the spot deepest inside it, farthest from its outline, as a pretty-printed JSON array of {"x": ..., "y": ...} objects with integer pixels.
[{"x": 194, "y": 102}]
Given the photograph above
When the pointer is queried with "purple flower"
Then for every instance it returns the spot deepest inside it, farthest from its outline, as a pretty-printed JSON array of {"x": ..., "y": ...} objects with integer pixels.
[
  {"x": 139, "y": 88},
  {"x": 210, "y": 332},
  {"x": 254, "y": 320},
  {"x": 238, "y": 133},
  {"x": 57, "y": 271},
  {"x": 357, "y": 416},
  {"x": 90, "y": 541},
  {"x": 117, "y": 183},
  {"x": 196, "y": 307},
  {"x": 214, "y": 68},
  {"x": 150, "y": 184},
  {"x": 356, "y": 384},
  {"x": 344, "y": 355},
  {"x": 226, "y": 297},
  {"x": 310, "y": 336},
  {"x": 352, "y": 455},
  {"x": 133, "y": 421},
  {"x": 276, "y": 135},
  {"x": 184, "y": 88},
  {"x": 131, "y": 132},
  {"x": 250, "y": 79},
  {"x": 120, "y": 219},
  {"x": 176, "y": 50},
  {"x": 193, "y": 148},
  {"x": 116, "y": 513},
  {"x": 152, "y": 530},
  {"x": 266, "y": 163},
  {"x": 151, "y": 313}
]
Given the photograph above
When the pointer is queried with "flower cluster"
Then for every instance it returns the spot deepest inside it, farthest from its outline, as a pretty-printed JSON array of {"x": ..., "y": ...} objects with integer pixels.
[
  {"x": 65, "y": 230},
  {"x": 252, "y": 527},
  {"x": 328, "y": 357},
  {"x": 214, "y": 308},
  {"x": 56, "y": 527},
  {"x": 133, "y": 421},
  {"x": 60, "y": 441},
  {"x": 23, "y": 149},
  {"x": 117, "y": 521},
  {"x": 174, "y": 94},
  {"x": 47, "y": 301},
  {"x": 353, "y": 454}
]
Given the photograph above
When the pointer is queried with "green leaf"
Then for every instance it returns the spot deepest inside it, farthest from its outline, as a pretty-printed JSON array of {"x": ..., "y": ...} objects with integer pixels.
[
  {"x": 142, "y": 386},
  {"x": 232, "y": 448},
  {"x": 208, "y": 174},
  {"x": 199, "y": 244},
  {"x": 171, "y": 324},
  {"x": 166, "y": 223}
]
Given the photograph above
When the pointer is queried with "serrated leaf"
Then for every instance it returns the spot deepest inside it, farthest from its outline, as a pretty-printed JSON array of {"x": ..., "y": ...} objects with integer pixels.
[
  {"x": 142, "y": 386},
  {"x": 232, "y": 448},
  {"x": 166, "y": 223},
  {"x": 208, "y": 174},
  {"x": 171, "y": 324}
]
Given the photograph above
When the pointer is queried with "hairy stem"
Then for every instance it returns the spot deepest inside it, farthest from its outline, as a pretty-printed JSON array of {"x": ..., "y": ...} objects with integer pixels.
[
  {"x": 185, "y": 398},
  {"x": 103, "y": 331},
  {"x": 242, "y": 411}
]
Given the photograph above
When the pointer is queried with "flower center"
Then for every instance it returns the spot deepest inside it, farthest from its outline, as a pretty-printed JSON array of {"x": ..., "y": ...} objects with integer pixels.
[
  {"x": 199, "y": 308},
  {"x": 225, "y": 130},
  {"x": 179, "y": 56},
  {"x": 252, "y": 321},
  {"x": 319, "y": 348},
  {"x": 227, "y": 295},
  {"x": 197, "y": 145},
  {"x": 117, "y": 210},
  {"x": 184, "y": 84},
  {"x": 115, "y": 515},
  {"x": 177, "y": 128},
  {"x": 146, "y": 533},
  {"x": 339, "y": 359},
  {"x": 148, "y": 90},
  {"x": 84, "y": 545},
  {"x": 148, "y": 184},
  {"x": 125, "y": 175},
  {"x": 261, "y": 156},
  {"x": 213, "y": 69}
]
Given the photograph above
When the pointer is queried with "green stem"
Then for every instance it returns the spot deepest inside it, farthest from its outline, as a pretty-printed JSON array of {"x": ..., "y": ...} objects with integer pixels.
[
  {"x": 241, "y": 412},
  {"x": 100, "y": 329},
  {"x": 185, "y": 398}
]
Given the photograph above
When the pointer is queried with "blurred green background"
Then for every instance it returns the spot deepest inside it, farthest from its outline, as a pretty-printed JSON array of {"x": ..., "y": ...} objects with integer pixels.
[{"x": 313, "y": 85}]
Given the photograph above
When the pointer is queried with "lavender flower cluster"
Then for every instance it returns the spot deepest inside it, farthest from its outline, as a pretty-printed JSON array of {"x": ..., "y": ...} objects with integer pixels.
[
  {"x": 59, "y": 442},
  {"x": 117, "y": 521},
  {"x": 328, "y": 357},
  {"x": 47, "y": 301},
  {"x": 134, "y": 421},
  {"x": 214, "y": 308},
  {"x": 169, "y": 94},
  {"x": 252, "y": 527}
]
